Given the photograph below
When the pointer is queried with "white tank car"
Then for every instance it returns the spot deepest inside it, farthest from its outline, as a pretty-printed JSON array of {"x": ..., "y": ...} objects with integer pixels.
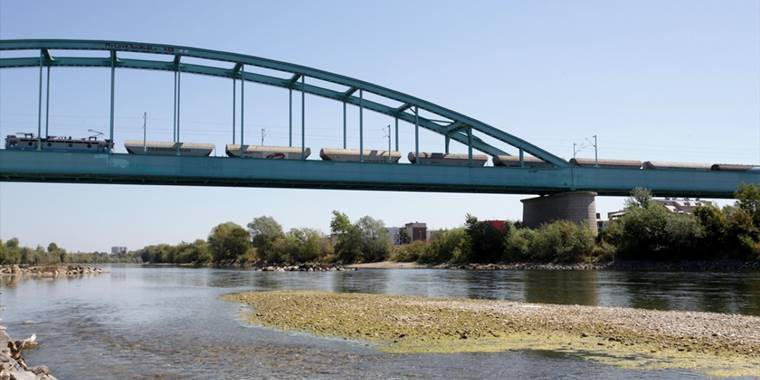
[
  {"x": 606, "y": 163},
  {"x": 733, "y": 167},
  {"x": 352, "y": 155},
  {"x": 675, "y": 165},
  {"x": 268, "y": 152},
  {"x": 168, "y": 148},
  {"x": 451, "y": 159},
  {"x": 514, "y": 161}
]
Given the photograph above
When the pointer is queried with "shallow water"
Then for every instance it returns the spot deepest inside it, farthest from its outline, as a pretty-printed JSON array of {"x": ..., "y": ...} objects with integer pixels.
[{"x": 167, "y": 322}]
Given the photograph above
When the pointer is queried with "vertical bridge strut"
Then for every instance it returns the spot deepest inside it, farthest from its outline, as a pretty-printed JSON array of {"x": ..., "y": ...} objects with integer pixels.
[{"x": 398, "y": 112}]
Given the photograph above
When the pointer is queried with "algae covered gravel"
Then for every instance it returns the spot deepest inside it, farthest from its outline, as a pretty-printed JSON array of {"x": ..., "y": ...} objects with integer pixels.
[{"x": 717, "y": 344}]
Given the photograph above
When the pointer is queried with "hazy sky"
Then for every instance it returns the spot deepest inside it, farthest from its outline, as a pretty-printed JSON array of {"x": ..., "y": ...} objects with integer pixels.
[{"x": 655, "y": 80}]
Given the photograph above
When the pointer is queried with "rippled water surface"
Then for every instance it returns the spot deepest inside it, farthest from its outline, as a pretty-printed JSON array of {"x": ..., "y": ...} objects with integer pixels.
[{"x": 166, "y": 322}]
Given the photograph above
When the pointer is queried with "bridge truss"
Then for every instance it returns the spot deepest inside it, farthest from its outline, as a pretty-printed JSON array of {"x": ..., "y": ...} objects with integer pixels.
[{"x": 452, "y": 125}]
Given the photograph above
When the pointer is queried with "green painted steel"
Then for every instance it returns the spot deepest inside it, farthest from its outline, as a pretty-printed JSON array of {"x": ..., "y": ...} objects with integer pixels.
[
  {"x": 297, "y": 71},
  {"x": 212, "y": 171},
  {"x": 44, "y": 166}
]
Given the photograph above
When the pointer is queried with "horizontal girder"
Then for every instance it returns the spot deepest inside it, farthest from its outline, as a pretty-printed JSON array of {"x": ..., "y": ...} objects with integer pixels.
[
  {"x": 222, "y": 171},
  {"x": 296, "y": 70}
]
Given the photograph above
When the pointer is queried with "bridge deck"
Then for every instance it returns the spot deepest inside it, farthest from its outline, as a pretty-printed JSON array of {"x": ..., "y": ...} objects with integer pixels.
[{"x": 221, "y": 171}]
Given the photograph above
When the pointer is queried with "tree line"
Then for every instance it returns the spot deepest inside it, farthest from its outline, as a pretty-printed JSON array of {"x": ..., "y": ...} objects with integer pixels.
[
  {"x": 265, "y": 242},
  {"x": 646, "y": 231},
  {"x": 11, "y": 252}
]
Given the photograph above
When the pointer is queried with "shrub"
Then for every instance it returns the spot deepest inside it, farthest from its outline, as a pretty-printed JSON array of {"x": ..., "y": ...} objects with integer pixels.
[
  {"x": 517, "y": 244},
  {"x": 445, "y": 247},
  {"x": 562, "y": 241},
  {"x": 411, "y": 252}
]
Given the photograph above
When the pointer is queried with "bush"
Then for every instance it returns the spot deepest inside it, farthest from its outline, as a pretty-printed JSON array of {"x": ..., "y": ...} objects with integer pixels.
[
  {"x": 603, "y": 252},
  {"x": 562, "y": 241},
  {"x": 517, "y": 244},
  {"x": 411, "y": 252},
  {"x": 445, "y": 247}
]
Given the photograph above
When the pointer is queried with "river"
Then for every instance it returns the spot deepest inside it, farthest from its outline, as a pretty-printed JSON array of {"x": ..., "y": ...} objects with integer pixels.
[{"x": 167, "y": 322}]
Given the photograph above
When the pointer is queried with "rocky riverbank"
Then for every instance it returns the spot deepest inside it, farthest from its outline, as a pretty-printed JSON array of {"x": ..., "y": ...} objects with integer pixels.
[
  {"x": 49, "y": 270},
  {"x": 12, "y": 363},
  {"x": 303, "y": 268},
  {"x": 632, "y": 266},
  {"x": 717, "y": 344}
]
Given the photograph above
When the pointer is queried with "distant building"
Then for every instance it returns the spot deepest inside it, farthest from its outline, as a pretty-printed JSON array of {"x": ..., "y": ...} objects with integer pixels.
[
  {"x": 682, "y": 205},
  {"x": 118, "y": 250},
  {"x": 674, "y": 205},
  {"x": 416, "y": 231},
  {"x": 394, "y": 235}
]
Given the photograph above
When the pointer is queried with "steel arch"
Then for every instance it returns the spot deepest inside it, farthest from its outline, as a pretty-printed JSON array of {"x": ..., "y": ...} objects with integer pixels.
[{"x": 456, "y": 129}]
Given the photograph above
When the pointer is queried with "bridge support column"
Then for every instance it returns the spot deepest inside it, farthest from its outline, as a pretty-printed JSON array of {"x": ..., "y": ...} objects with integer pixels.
[{"x": 575, "y": 206}]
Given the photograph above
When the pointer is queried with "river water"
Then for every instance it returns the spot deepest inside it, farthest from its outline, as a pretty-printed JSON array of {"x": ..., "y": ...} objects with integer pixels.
[{"x": 167, "y": 322}]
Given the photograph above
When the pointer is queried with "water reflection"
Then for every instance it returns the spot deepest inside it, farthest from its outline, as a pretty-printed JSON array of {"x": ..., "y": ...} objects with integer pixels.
[
  {"x": 561, "y": 287},
  {"x": 712, "y": 292},
  {"x": 371, "y": 281}
]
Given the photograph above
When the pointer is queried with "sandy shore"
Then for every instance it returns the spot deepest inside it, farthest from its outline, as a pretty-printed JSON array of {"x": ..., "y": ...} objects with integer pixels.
[{"x": 716, "y": 344}]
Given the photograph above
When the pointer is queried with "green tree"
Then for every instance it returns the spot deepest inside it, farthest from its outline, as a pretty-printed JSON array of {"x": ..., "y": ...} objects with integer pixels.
[
  {"x": 748, "y": 199},
  {"x": 375, "y": 242},
  {"x": 715, "y": 229},
  {"x": 683, "y": 234},
  {"x": 403, "y": 236},
  {"x": 264, "y": 232},
  {"x": 517, "y": 244},
  {"x": 742, "y": 235},
  {"x": 643, "y": 228},
  {"x": 349, "y": 239},
  {"x": 445, "y": 247},
  {"x": 640, "y": 198},
  {"x": 228, "y": 241},
  {"x": 485, "y": 242}
]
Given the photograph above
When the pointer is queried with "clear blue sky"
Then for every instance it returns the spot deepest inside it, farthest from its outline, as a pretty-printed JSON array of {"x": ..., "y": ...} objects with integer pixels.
[{"x": 656, "y": 80}]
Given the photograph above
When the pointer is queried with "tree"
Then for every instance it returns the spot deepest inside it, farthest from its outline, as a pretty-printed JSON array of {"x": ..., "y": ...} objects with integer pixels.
[
  {"x": 375, "y": 243},
  {"x": 348, "y": 246},
  {"x": 715, "y": 230},
  {"x": 485, "y": 242},
  {"x": 748, "y": 199},
  {"x": 445, "y": 247},
  {"x": 228, "y": 241},
  {"x": 403, "y": 236},
  {"x": 264, "y": 231},
  {"x": 52, "y": 248},
  {"x": 640, "y": 198}
]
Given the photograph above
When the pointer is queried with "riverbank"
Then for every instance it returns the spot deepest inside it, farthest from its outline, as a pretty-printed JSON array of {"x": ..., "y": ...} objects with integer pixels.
[
  {"x": 632, "y": 266},
  {"x": 717, "y": 344},
  {"x": 49, "y": 270},
  {"x": 388, "y": 265},
  {"x": 12, "y": 363}
]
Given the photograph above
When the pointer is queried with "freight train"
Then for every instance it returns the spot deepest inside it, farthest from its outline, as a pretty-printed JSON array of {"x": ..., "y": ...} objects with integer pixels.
[{"x": 27, "y": 141}]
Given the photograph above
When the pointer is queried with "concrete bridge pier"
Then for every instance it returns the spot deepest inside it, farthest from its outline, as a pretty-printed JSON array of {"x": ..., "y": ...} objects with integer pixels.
[{"x": 575, "y": 206}]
